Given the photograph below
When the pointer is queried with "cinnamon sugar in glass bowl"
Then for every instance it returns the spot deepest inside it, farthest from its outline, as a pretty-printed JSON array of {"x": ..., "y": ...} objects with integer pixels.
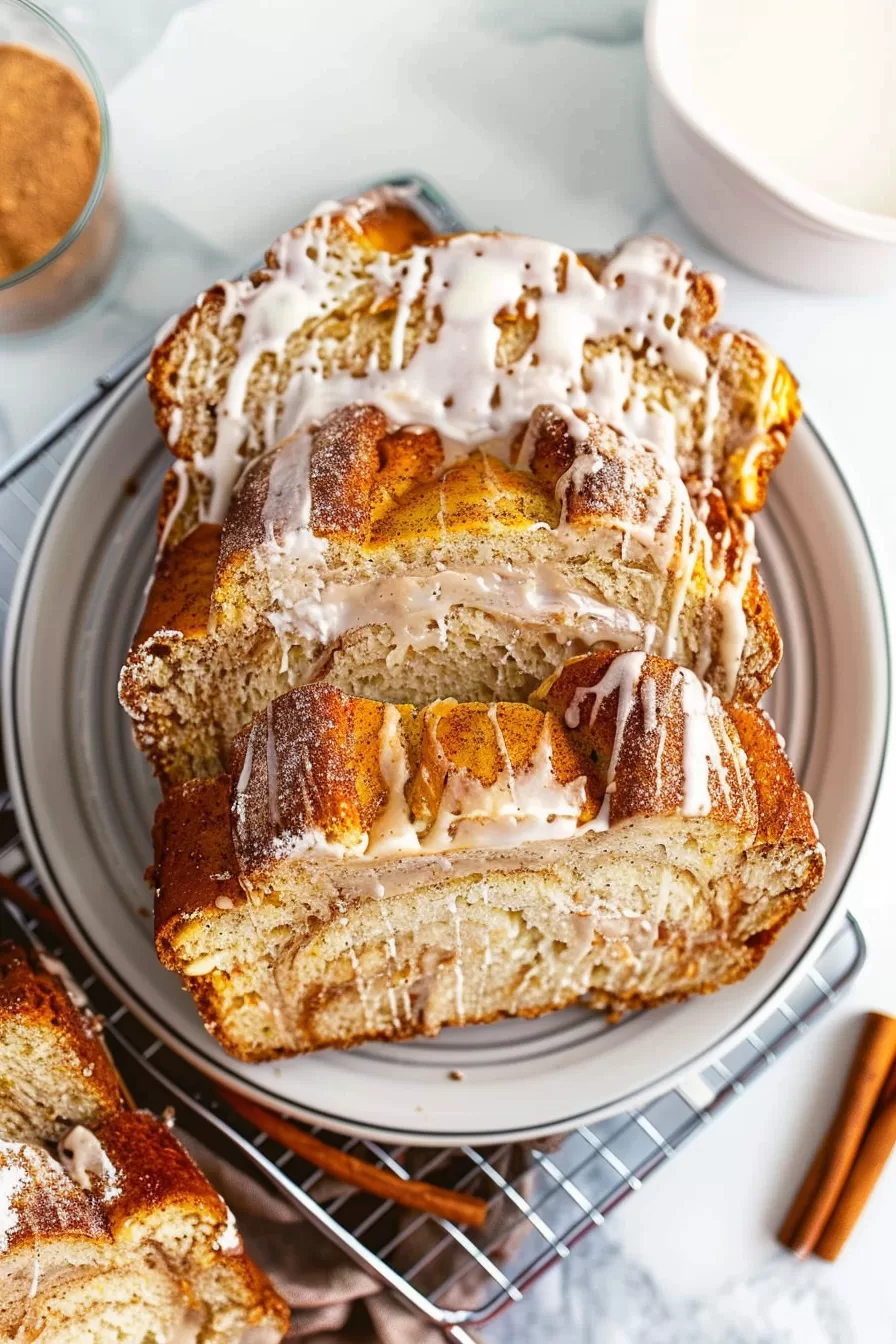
[{"x": 60, "y": 221}]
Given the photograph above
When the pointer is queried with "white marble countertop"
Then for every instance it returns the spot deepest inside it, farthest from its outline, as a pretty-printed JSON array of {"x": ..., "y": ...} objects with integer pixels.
[{"x": 232, "y": 119}]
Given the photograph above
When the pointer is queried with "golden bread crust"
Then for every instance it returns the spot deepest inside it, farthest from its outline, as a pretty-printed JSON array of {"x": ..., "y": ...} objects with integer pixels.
[
  {"x": 180, "y": 594},
  {"x": 151, "y": 1195},
  {"x": 154, "y": 1174},
  {"x": 785, "y": 811},
  {"x": 33, "y": 999},
  {"x": 195, "y": 866},
  {"x": 43, "y": 1205},
  {"x": 650, "y": 749}
]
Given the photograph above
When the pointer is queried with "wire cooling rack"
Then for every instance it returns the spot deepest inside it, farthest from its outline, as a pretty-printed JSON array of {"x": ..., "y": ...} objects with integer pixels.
[{"x": 542, "y": 1199}]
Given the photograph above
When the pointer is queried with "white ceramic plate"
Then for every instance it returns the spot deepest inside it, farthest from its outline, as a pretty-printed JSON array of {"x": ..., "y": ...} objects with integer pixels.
[{"x": 85, "y": 800}]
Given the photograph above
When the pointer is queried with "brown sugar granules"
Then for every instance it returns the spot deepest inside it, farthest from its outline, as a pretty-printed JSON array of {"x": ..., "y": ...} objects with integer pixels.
[{"x": 49, "y": 152}]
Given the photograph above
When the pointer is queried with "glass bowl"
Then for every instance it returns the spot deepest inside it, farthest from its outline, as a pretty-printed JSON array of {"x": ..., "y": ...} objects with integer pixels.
[{"x": 74, "y": 269}]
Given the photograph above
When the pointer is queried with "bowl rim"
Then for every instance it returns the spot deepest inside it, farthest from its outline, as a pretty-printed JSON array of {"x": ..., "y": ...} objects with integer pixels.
[
  {"x": 813, "y": 205},
  {"x": 92, "y": 80}
]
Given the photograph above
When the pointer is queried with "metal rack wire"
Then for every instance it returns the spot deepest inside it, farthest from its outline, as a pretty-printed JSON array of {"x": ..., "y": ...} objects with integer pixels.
[{"x": 542, "y": 1199}]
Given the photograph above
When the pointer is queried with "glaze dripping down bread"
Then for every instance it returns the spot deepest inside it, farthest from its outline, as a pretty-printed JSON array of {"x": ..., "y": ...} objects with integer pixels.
[
  {"x": 466, "y": 333},
  {"x": 370, "y": 871},
  {"x": 354, "y": 554},
  {"x": 108, "y": 1230}
]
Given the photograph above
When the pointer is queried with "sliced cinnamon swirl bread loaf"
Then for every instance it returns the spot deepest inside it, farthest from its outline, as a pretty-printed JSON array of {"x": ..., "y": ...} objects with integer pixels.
[{"x": 366, "y": 870}]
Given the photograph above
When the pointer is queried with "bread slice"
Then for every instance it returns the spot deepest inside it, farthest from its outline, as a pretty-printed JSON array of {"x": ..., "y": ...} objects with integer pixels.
[
  {"x": 466, "y": 333},
  {"x": 369, "y": 871},
  {"x": 108, "y": 1230},
  {"x": 54, "y": 1069},
  {"x": 124, "y": 1239},
  {"x": 352, "y": 552}
]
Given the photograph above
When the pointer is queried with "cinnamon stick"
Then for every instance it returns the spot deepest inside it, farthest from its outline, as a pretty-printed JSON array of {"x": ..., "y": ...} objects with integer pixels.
[
  {"x": 877, "y": 1145},
  {"x": 420, "y": 1195},
  {"x": 827, "y": 1176},
  {"x": 22, "y": 897}
]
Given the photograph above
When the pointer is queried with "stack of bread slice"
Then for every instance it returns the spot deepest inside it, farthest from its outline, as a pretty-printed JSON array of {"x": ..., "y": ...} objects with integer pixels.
[
  {"x": 430, "y": 494},
  {"x": 108, "y": 1230}
]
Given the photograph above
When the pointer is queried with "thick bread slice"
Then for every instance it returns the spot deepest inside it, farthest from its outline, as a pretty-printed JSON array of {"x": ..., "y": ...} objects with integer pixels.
[
  {"x": 467, "y": 333},
  {"x": 123, "y": 1239},
  {"x": 371, "y": 871},
  {"x": 54, "y": 1069},
  {"x": 108, "y": 1230},
  {"x": 352, "y": 552}
]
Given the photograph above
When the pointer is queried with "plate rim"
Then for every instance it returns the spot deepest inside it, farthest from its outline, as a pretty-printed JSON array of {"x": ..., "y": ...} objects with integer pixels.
[{"x": 209, "y": 1067}]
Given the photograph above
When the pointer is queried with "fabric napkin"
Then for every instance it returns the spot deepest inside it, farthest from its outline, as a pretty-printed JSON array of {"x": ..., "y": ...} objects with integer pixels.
[{"x": 333, "y": 1300}]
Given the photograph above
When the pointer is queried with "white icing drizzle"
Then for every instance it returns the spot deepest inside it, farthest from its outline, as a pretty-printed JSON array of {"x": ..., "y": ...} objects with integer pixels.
[
  {"x": 302, "y": 288},
  {"x": 730, "y": 605},
  {"x": 415, "y": 607},
  {"x": 362, "y": 988},
  {"x": 287, "y": 509},
  {"x": 243, "y": 782},
  {"x": 458, "y": 959},
  {"x": 621, "y": 676},
  {"x": 393, "y": 832},
  {"x": 519, "y": 807},
  {"x": 454, "y": 381},
  {"x": 393, "y": 962},
  {"x": 229, "y": 1239},
  {"x": 701, "y": 749},
  {"x": 530, "y": 805},
  {"x": 702, "y": 713},
  {"x": 176, "y": 422},
  {"x": 86, "y": 1161},
  {"x": 457, "y": 287}
]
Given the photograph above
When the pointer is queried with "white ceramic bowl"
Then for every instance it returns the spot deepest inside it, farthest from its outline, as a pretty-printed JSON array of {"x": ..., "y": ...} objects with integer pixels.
[{"x": 750, "y": 209}]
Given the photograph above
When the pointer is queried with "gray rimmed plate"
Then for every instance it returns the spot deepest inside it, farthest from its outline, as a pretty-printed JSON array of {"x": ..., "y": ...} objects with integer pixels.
[{"x": 85, "y": 799}]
